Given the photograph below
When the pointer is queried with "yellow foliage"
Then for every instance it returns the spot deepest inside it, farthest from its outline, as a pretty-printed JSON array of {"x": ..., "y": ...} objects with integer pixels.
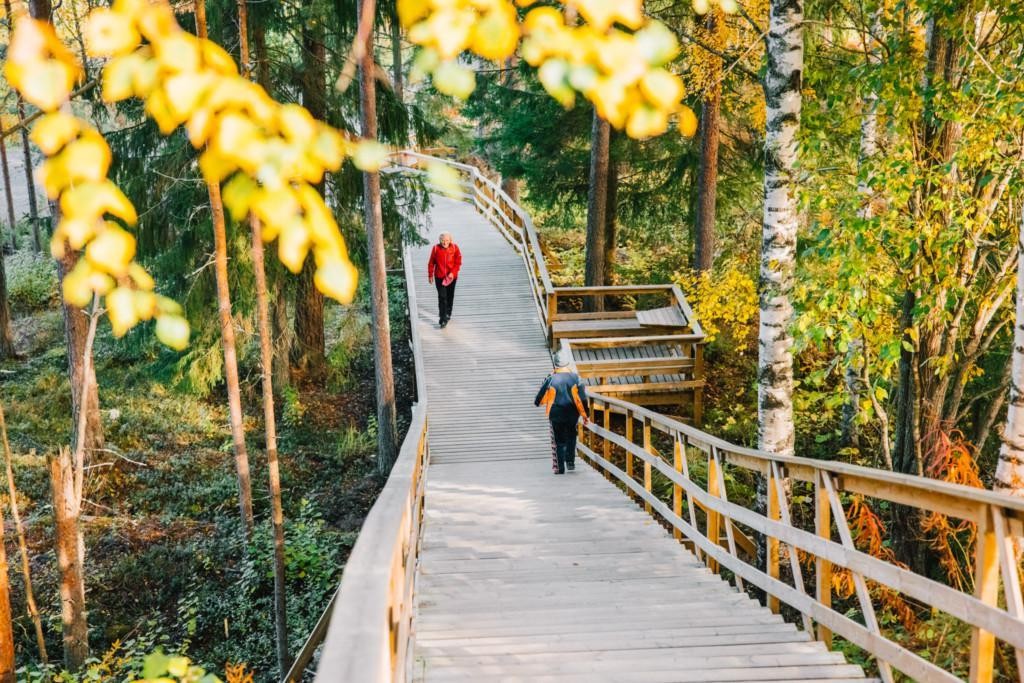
[
  {"x": 620, "y": 72},
  {"x": 264, "y": 150},
  {"x": 722, "y": 301}
]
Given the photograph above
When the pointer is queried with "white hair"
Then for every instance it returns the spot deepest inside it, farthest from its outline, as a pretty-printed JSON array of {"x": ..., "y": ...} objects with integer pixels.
[{"x": 439, "y": 237}]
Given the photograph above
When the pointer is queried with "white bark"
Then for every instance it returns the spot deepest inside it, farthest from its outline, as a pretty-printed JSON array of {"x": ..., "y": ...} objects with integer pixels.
[
  {"x": 1010, "y": 470},
  {"x": 782, "y": 83}
]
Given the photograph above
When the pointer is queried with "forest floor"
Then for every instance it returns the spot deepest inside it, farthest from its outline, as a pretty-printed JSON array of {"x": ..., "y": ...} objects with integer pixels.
[{"x": 166, "y": 558}]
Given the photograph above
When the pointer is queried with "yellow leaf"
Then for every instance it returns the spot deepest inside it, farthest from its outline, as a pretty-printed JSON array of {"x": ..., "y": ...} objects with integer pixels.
[
  {"x": 495, "y": 35},
  {"x": 168, "y": 306},
  {"x": 112, "y": 250},
  {"x": 328, "y": 148},
  {"x": 662, "y": 89},
  {"x": 656, "y": 43},
  {"x": 275, "y": 207},
  {"x": 96, "y": 199},
  {"x": 293, "y": 245},
  {"x": 179, "y": 52},
  {"x": 370, "y": 155},
  {"x": 46, "y": 84},
  {"x": 184, "y": 91},
  {"x": 87, "y": 159},
  {"x": 445, "y": 178},
  {"x": 120, "y": 76},
  {"x": 238, "y": 193},
  {"x": 601, "y": 14},
  {"x": 75, "y": 230},
  {"x": 121, "y": 310},
  {"x": 140, "y": 277},
  {"x": 199, "y": 126},
  {"x": 173, "y": 331},
  {"x": 109, "y": 33},
  {"x": 144, "y": 303},
  {"x": 645, "y": 122},
  {"x": 553, "y": 74},
  {"x": 55, "y": 130},
  {"x": 297, "y": 124},
  {"x": 215, "y": 167},
  {"x": 687, "y": 122},
  {"x": 217, "y": 58},
  {"x": 159, "y": 109},
  {"x": 177, "y": 666},
  {"x": 77, "y": 290},
  {"x": 337, "y": 279},
  {"x": 234, "y": 132},
  {"x": 411, "y": 11},
  {"x": 449, "y": 27},
  {"x": 451, "y": 78}
]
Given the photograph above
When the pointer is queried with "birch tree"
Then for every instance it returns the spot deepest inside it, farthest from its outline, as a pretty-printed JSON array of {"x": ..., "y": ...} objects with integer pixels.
[
  {"x": 1010, "y": 469},
  {"x": 782, "y": 82}
]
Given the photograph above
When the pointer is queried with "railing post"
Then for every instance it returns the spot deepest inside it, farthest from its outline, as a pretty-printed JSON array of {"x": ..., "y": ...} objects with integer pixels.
[
  {"x": 986, "y": 589},
  {"x": 647, "y": 463},
  {"x": 698, "y": 392},
  {"x": 772, "y": 543},
  {"x": 607, "y": 424},
  {"x": 629, "y": 454},
  {"x": 677, "y": 490},
  {"x": 714, "y": 530},
  {"x": 552, "y": 311},
  {"x": 822, "y": 567}
]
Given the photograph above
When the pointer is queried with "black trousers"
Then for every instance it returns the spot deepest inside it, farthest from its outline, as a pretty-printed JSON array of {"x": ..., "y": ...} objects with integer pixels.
[
  {"x": 445, "y": 298},
  {"x": 563, "y": 444}
]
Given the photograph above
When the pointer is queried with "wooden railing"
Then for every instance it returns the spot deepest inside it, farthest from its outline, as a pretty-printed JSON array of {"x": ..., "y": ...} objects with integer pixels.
[
  {"x": 366, "y": 629},
  {"x": 699, "y": 513}
]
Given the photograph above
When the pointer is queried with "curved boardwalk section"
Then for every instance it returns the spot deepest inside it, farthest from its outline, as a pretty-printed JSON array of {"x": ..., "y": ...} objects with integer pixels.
[{"x": 526, "y": 576}]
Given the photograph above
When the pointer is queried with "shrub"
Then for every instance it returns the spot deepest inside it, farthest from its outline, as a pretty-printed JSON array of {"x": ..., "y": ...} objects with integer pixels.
[{"x": 31, "y": 281}]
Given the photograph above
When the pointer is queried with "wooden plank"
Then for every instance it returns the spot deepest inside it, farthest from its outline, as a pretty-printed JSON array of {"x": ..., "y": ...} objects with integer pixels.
[{"x": 669, "y": 316}]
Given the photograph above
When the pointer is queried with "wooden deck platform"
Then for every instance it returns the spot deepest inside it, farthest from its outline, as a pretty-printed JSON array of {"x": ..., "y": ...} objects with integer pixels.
[{"x": 527, "y": 576}]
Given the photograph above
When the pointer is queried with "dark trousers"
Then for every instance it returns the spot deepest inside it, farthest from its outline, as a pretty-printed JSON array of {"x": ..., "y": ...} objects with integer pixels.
[
  {"x": 563, "y": 444},
  {"x": 445, "y": 298}
]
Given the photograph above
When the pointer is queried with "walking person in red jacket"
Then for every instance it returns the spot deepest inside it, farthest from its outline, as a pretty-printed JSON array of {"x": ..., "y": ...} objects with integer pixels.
[{"x": 443, "y": 271}]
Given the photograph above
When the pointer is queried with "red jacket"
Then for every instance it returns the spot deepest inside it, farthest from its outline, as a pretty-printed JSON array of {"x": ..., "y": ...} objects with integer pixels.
[{"x": 444, "y": 261}]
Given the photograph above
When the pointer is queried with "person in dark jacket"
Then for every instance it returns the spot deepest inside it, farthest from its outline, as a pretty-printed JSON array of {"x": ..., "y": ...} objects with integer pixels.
[
  {"x": 565, "y": 396},
  {"x": 443, "y": 271}
]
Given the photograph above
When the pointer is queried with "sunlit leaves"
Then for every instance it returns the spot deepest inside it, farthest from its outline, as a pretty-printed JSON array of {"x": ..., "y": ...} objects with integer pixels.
[
  {"x": 39, "y": 66},
  {"x": 445, "y": 178},
  {"x": 109, "y": 33},
  {"x": 614, "y": 57}
]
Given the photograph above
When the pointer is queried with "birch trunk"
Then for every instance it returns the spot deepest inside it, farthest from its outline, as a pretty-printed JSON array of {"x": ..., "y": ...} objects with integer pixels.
[
  {"x": 611, "y": 231},
  {"x": 782, "y": 83},
  {"x": 1010, "y": 469},
  {"x": 397, "y": 75},
  {"x": 227, "y": 331},
  {"x": 387, "y": 436}
]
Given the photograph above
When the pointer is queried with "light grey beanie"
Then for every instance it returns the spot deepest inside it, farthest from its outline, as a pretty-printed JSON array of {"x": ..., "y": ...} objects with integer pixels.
[{"x": 562, "y": 359}]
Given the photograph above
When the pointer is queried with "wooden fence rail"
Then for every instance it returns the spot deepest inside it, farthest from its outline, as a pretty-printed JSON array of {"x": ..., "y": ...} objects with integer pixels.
[{"x": 1000, "y": 521}]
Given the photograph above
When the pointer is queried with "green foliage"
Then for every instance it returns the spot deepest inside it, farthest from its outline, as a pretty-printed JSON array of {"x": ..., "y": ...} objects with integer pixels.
[
  {"x": 229, "y": 606},
  {"x": 31, "y": 281}
]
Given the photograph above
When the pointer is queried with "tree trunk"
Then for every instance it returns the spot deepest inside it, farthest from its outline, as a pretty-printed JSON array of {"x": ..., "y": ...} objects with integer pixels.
[
  {"x": 12, "y": 220},
  {"x": 6, "y": 621},
  {"x": 270, "y": 427},
  {"x": 397, "y": 76},
  {"x": 1010, "y": 470},
  {"x": 782, "y": 82},
  {"x": 6, "y": 339},
  {"x": 309, "y": 345},
  {"x": 227, "y": 330},
  {"x": 611, "y": 233},
  {"x": 510, "y": 186},
  {"x": 597, "y": 206},
  {"x": 984, "y": 425},
  {"x": 282, "y": 339},
  {"x": 707, "y": 176},
  {"x": 70, "y": 561},
  {"x": 19, "y": 529},
  {"x": 868, "y": 147},
  {"x": 30, "y": 183},
  {"x": 906, "y": 457},
  {"x": 269, "y": 423},
  {"x": 386, "y": 430}
]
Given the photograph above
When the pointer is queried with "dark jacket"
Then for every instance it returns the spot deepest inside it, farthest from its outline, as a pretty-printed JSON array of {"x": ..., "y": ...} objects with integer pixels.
[
  {"x": 444, "y": 261},
  {"x": 565, "y": 396}
]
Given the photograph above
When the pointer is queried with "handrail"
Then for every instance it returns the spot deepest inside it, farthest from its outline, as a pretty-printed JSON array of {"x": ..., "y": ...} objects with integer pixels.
[
  {"x": 1000, "y": 519},
  {"x": 371, "y": 612}
]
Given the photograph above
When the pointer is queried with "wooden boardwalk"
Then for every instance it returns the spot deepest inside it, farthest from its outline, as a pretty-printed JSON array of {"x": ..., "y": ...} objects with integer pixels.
[{"x": 527, "y": 576}]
